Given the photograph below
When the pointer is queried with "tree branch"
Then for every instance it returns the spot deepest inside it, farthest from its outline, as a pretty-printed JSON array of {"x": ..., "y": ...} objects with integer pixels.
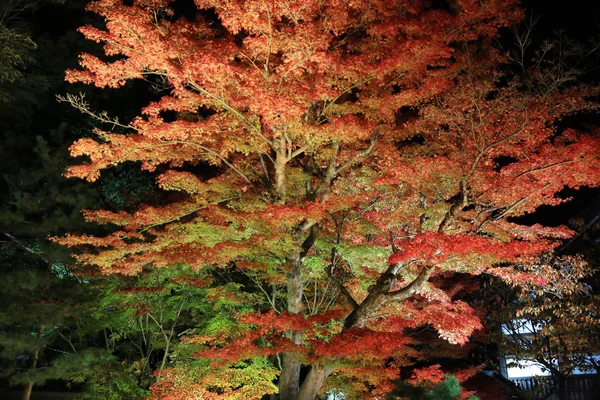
[
  {"x": 413, "y": 287},
  {"x": 79, "y": 103},
  {"x": 232, "y": 110},
  {"x": 362, "y": 153},
  {"x": 343, "y": 290},
  {"x": 544, "y": 167}
]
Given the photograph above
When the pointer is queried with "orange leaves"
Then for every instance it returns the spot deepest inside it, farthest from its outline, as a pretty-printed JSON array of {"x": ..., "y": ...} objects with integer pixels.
[
  {"x": 437, "y": 175},
  {"x": 96, "y": 151},
  {"x": 236, "y": 381},
  {"x": 114, "y": 240},
  {"x": 505, "y": 230},
  {"x": 147, "y": 216},
  {"x": 535, "y": 181},
  {"x": 285, "y": 215},
  {"x": 289, "y": 215}
]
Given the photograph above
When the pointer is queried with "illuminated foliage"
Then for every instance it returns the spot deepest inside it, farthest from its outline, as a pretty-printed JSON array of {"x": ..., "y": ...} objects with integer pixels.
[{"x": 360, "y": 179}]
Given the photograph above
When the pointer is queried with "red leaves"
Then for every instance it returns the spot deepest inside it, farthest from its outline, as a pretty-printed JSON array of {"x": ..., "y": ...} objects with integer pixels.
[
  {"x": 351, "y": 128},
  {"x": 434, "y": 248},
  {"x": 352, "y": 345},
  {"x": 455, "y": 322},
  {"x": 241, "y": 345},
  {"x": 360, "y": 344},
  {"x": 428, "y": 376}
]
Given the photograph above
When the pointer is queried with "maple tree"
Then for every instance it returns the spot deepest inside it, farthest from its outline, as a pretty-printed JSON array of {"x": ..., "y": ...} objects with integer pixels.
[{"x": 367, "y": 158}]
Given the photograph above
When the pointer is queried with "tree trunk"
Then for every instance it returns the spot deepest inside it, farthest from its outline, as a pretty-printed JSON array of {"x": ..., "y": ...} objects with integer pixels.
[
  {"x": 36, "y": 354},
  {"x": 289, "y": 380},
  {"x": 360, "y": 315},
  {"x": 28, "y": 389},
  {"x": 313, "y": 382},
  {"x": 316, "y": 376}
]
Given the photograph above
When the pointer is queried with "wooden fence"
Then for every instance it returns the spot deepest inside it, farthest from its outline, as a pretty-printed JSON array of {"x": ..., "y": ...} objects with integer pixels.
[{"x": 579, "y": 387}]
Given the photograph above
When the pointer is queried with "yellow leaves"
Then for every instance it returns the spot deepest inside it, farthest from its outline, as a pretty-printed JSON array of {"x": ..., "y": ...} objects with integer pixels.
[{"x": 247, "y": 380}]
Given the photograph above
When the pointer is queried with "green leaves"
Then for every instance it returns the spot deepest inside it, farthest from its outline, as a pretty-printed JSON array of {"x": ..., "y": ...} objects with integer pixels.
[
  {"x": 100, "y": 372},
  {"x": 15, "y": 53},
  {"x": 448, "y": 389}
]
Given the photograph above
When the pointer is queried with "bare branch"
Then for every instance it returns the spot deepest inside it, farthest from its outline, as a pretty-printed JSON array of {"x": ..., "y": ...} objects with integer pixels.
[
  {"x": 545, "y": 167},
  {"x": 360, "y": 154},
  {"x": 79, "y": 103}
]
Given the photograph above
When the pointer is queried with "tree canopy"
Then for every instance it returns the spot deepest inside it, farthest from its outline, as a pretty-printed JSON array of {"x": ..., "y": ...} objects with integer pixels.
[{"x": 341, "y": 176}]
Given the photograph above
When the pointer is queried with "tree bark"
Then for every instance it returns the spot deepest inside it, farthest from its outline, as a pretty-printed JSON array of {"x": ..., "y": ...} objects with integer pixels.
[
  {"x": 289, "y": 379},
  {"x": 313, "y": 382},
  {"x": 279, "y": 165},
  {"x": 27, "y": 391},
  {"x": 36, "y": 354}
]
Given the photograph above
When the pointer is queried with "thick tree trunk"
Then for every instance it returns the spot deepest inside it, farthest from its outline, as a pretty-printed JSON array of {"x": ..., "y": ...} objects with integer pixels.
[
  {"x": 36, "y": 355},
  {"x": 289, "y": 379},
  {"x": 358, "y": 318},
  {"x": 375, "y": 299},
  {"x": 313, "y": 382},
  {"x": 290, "y": 387},
  {"x": 279, "y": 165}
]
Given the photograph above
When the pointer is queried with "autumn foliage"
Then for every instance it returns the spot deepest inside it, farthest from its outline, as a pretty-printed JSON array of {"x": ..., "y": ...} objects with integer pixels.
[{"x": 369, "y": 158}]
